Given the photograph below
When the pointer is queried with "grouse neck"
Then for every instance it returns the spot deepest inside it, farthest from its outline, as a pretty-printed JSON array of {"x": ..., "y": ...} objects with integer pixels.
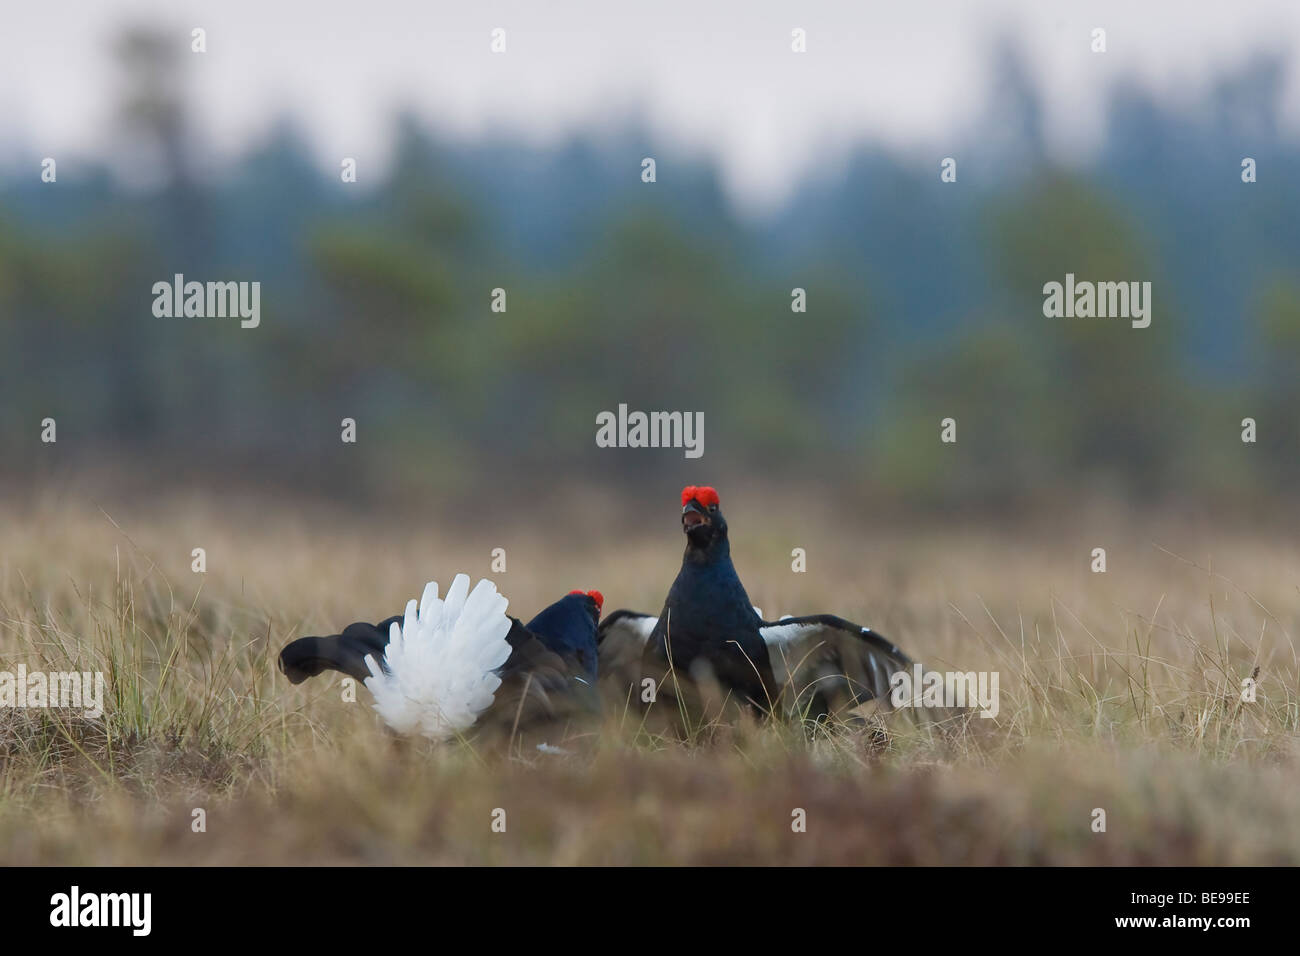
[
  {"x": 717, "y": 551},
  {"x": 707, "y": 575}
]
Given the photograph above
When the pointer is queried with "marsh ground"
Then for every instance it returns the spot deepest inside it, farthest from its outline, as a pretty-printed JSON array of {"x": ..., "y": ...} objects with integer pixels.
[{"x": 1119, "y": 691}]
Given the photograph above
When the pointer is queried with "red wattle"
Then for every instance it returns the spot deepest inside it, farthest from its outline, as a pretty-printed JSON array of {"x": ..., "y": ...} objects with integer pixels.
[{"x": 703, "y": 494}]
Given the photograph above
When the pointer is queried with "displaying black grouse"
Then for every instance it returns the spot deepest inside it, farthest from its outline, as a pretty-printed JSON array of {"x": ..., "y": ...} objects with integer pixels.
[
  {"x": 803, "y": 665},
  {"x": 440, "y": 667}
]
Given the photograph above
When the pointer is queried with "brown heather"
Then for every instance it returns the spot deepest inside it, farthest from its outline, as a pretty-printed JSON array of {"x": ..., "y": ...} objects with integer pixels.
[{"x": 1119, "y": 691}]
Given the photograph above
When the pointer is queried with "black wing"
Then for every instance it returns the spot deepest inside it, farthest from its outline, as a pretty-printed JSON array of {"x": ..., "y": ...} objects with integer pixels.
[
  {"x": 620, "y": 642},
  {"x": 827, "y": 663},
  {"x": 346, "y": 652}
]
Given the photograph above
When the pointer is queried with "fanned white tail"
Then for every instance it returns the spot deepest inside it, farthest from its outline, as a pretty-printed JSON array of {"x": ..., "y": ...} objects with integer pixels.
[{"x": 440, "y": 662}]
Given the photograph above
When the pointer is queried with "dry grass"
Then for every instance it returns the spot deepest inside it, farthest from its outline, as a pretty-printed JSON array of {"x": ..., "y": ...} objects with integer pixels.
[{"x": 1118, "y": 691}]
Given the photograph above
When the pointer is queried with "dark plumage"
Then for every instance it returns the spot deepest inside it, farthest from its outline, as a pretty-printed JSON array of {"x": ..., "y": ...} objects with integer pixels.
[
  {"x": 568, "y": 628},
  {"x": 549, "y": 668},
  {"x": 808, "y": 665}
]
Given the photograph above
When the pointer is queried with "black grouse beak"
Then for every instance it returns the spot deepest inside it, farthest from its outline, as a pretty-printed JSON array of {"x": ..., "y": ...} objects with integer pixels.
[{"x": 694, "y": 516}]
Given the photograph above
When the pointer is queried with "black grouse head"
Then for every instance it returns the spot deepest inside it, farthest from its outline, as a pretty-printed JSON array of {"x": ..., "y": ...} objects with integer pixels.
[
  {"x": 594, "y": 601},
  {"x": 702, "y": 519}
]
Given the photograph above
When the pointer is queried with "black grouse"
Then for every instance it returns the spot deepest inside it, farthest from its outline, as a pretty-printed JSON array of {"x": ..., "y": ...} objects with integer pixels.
[
  {"x": 810, "y": 666},
  {"x": 444, "y": 665}
]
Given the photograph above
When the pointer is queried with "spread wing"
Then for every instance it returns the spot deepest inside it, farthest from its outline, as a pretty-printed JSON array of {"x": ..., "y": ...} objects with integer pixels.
[
  {"x": 620, "y": 641},
  {"x": 825, "y": 656}
]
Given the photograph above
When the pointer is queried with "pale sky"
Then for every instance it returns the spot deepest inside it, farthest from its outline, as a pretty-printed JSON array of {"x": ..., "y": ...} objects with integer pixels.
[{"x": 712, "y": 78}]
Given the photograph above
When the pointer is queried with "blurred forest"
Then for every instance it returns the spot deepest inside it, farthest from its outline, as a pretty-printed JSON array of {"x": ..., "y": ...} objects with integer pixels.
[{"x": 924, "y": 301}]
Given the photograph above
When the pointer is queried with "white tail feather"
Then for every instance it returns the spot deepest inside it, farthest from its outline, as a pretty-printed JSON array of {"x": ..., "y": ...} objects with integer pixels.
[{"x": 439, "y": 672}]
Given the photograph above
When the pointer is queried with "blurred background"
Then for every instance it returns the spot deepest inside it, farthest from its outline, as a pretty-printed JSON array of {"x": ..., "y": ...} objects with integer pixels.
[
  {"x": 522, "y": 170},
  {"x": 199, "y": 509}
]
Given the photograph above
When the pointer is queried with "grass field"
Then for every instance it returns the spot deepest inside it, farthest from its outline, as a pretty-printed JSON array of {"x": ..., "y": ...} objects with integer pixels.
[{"x": 1119, "y": 691}]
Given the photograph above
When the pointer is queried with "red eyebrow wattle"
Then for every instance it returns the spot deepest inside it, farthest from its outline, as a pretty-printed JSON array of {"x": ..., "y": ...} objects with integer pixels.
[
  {"x": 594, "y": 595},
  {"x": 704, "y": 494}
]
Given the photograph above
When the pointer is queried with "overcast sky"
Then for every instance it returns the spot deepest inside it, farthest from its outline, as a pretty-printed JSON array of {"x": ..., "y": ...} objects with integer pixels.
[{"x": 711, "y": 77}]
